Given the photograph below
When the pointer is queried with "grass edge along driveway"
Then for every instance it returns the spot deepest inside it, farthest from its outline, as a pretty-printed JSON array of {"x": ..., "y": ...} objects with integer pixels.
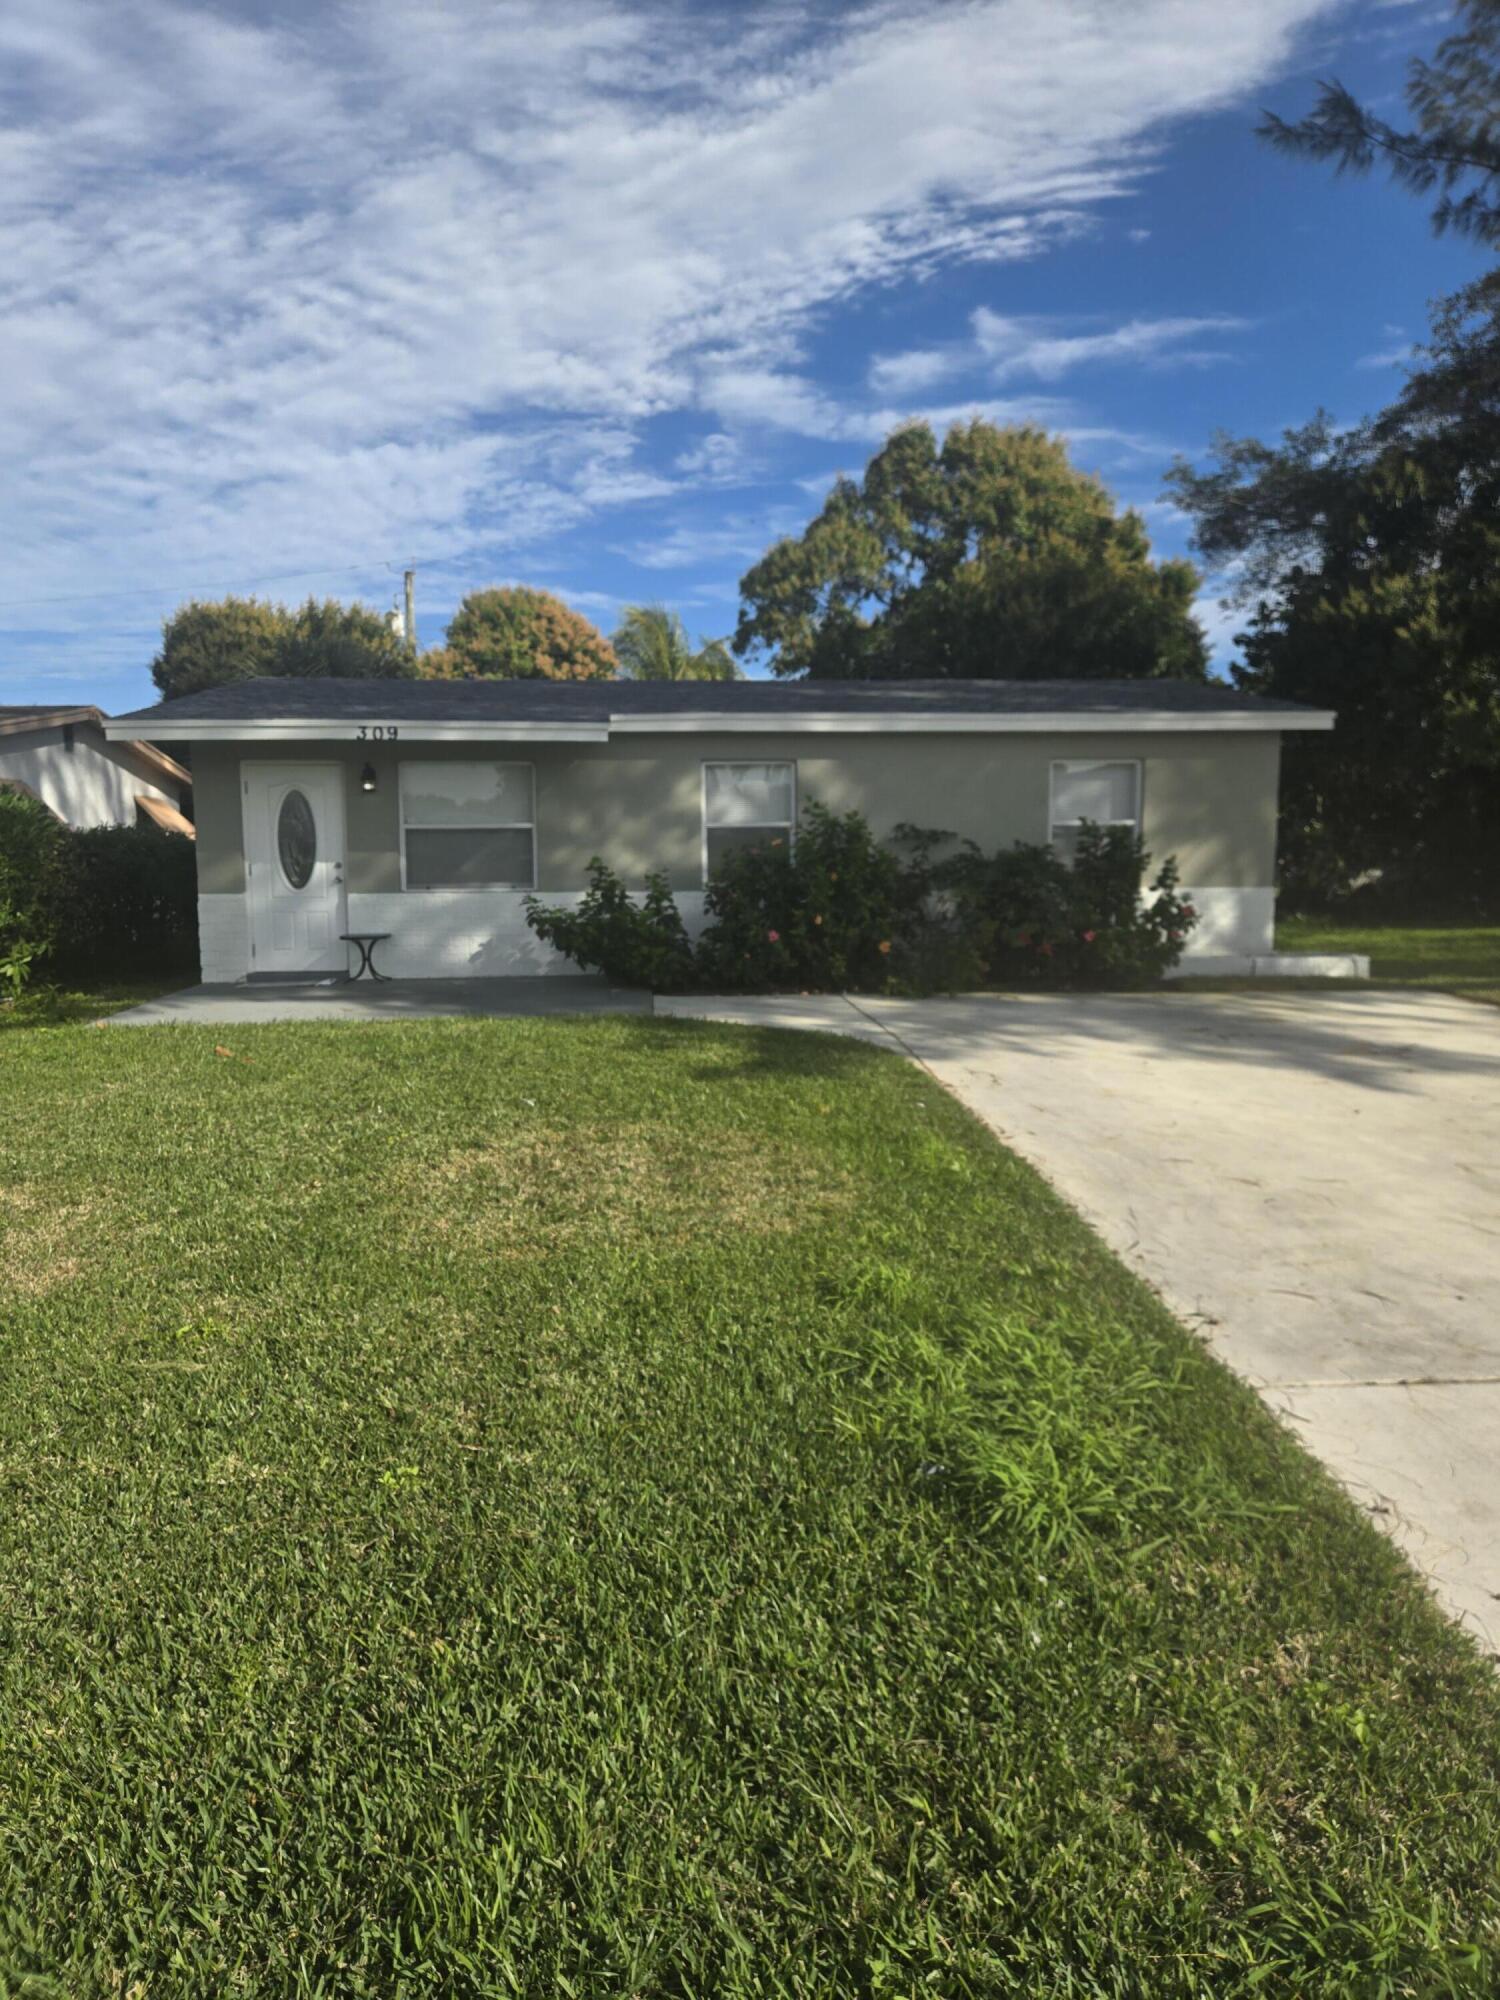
[
  {"x": 1449, "y": 958},
  {"x": 627, "y": 1507}
]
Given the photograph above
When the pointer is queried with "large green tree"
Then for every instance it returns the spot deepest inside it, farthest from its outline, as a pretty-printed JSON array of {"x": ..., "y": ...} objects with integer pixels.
[
  {"x": 990, "y": 557},
  {"x": 1369, "y": 556},
  {"x": 208, "y": 642},
  {"x": 1451, "y": 147},
  {"x": 1370, "y": 561},
  {"x": 651, "y": 644},
  {"x": 517, "y": 633}
]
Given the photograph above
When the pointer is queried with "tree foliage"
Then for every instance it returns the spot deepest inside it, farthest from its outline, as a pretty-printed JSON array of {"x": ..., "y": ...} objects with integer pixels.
[
  {"x": 1371, "y": 558},
  {"x": 206, "y": 643},
  {"x": 515, "y": 634},
  {"x": 32, "y": 842},
  {"x": 651, "y": 644},
  {"x": 1452, "y": 150},
  {"x": 990, "y": 558}
]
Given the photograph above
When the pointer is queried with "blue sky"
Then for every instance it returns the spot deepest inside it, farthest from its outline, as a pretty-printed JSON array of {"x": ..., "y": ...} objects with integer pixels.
[{"x": 600, "y": 296}]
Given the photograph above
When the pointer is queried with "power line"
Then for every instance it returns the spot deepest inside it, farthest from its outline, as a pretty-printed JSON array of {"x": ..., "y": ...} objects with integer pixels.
[{"x": 244, "y": 583}]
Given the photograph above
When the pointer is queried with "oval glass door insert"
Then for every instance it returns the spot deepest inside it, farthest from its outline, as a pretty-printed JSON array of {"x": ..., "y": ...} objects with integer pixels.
[{"x": 296, "y": 839}]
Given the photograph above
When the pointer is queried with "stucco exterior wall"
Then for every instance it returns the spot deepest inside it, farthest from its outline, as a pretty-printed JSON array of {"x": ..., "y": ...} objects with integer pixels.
[
  {"x": 94, "y": 784},
  {"x": 637, "y": 801}
]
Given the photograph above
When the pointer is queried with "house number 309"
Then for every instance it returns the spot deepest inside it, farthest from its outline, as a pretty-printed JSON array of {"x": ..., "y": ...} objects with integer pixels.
[{"x": 380, "y": 733}]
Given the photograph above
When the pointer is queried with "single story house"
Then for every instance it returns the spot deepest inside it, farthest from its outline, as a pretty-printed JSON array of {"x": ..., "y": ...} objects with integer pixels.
[
  {"x": 428, "y": 809},
  {"x": 63, "y": 757}
]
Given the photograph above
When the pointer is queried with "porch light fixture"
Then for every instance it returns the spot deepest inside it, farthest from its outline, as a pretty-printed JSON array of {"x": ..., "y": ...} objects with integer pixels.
[{"x": 367, "y": 778}]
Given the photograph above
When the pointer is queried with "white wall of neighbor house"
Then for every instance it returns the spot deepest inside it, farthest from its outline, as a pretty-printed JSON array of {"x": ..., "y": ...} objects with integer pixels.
[
  {"x": 94, "y": 784},
  {"x": 638, "y": 802}
]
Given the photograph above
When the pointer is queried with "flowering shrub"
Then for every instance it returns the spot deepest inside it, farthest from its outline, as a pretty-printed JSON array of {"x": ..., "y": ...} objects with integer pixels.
[
  {"x": 821, "y": 912},
  {"x": 1037, "y": 921},
  {"x": 633, "y": 944},
  {"x": 836, "y": 910}
]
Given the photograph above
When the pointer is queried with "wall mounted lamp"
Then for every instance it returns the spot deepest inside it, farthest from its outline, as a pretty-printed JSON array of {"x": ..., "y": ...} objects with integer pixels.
[{"x": 367, "y": 778}]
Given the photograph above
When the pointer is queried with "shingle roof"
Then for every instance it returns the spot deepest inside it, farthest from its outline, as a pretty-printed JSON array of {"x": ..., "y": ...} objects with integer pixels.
[{"x": 597, "y": 701}]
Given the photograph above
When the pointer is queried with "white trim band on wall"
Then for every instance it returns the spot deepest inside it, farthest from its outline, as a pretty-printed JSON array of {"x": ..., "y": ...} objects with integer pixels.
[{"x": 368, "y": 735}]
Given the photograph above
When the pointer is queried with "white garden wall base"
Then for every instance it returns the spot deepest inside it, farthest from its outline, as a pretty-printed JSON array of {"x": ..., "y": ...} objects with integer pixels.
[
  {"x": 1274, "y": 965},
  {"x": 223, "y": 939},
  {"x": 434, "y": 934},
  {"x": 1231, "y": 922},
  {"x": 472, "y": 933},
  {"x": 483, "y": 934}
]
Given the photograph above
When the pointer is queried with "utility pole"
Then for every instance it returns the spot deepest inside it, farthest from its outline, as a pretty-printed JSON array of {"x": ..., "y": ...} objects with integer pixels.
[{"x": 411, "y": 610}]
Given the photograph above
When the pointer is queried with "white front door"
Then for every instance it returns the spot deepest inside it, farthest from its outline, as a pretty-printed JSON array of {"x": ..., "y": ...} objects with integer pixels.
[{"x": 294, "y": 854}]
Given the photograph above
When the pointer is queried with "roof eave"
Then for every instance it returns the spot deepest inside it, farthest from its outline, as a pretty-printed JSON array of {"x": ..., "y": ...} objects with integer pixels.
[
  {"x": 48, "y": 718},
  {"x": 148, "y": 753},
  {"x": 333, "y": 728},
  {"x": 324, "y": 729},
  {"x": 1037, "y": 722}
]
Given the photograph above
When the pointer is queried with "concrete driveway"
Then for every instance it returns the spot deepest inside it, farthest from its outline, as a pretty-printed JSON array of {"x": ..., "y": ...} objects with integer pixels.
[
  {"x": 338, "y": 999},
  {"x": 1310, "y": 1180}
]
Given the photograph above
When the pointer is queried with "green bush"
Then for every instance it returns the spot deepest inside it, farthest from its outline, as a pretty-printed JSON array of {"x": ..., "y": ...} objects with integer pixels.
[
  {"x": 821, "y": 913},
  {"x": 632, "y": 944},
  {"x": 1035, "y": 920},
  {"x": 835, "y": 910},
  {"x": 98, "y": 903},
  {"x": 129, "y": 902},
  {"x": 31, "y": 848}
]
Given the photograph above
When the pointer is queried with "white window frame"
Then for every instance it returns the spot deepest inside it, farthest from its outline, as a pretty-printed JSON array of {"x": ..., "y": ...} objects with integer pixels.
[
  {"x": 1136, "y": 764},
  {"x": 497, "y": 826},
  {"x": 740, "y": 764}
]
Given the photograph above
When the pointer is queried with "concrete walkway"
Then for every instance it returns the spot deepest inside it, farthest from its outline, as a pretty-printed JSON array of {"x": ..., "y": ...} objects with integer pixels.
[
  {"x": 1310, "y": 1180},
  {"x": 383, "y": 1000}
]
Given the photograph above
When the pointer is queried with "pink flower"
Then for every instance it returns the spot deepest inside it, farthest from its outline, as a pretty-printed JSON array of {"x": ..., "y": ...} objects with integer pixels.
[
  {"x": 774, "y": 936},
  {"x": 1024, "y": 938},
  {"x": 1188, "y": 910},
  {"x": 1046, "y": 950},
  {"x": 1089, "y": 936}
]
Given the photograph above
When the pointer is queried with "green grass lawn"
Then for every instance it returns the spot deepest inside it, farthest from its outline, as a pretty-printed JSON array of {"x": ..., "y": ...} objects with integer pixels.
[
  {"x": 61, "y": 1005},
  {"x": 638, "y": 1508},
  {"x": 1462, "y": 959}
]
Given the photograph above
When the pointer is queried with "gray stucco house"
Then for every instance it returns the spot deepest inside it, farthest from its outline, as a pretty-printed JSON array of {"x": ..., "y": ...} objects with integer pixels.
[
  {"x": 61, "y": 756},
  {"x": 427, "y": 809}
]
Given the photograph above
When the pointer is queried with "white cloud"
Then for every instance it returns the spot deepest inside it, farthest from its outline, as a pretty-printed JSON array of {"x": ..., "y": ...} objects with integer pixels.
[
  {"x": 1026, "y": 347},
  {"x": 1390, "y": 357},
  {"x": 1220, "y": 616},
  {"x": 324, "y": 285},
  {"x": 1138, "y": 235},
  {"x": 1004, "y": 348},
  {"x": 715, "y": 459},
  {"x": 739, "y": 541},
  {"x": 779, "y": 400},
  {"x": 915, "y": 370}
]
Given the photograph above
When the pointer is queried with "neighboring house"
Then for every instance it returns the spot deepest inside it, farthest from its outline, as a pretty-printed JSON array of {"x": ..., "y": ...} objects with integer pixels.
[
  {"x": 62, "y": 757},
  {"x": 429, "y": 808}
]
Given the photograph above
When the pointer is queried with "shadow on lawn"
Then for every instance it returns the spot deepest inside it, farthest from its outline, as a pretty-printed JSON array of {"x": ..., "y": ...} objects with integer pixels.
[{"x": 775, "y": 1051}]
